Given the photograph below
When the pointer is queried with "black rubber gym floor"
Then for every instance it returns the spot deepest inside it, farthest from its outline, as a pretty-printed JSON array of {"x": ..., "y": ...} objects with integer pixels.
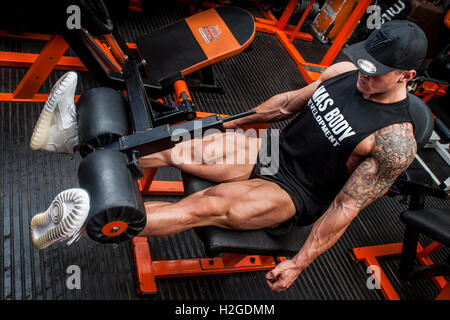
[{"x": 30, "y": 180}]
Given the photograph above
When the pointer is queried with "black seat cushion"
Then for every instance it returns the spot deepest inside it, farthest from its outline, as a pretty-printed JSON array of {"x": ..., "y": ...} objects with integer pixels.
[
  {"x": 285, "y": 240},
  {"x": 174, "y": 48},
  {"x": 433, "y": 222}
]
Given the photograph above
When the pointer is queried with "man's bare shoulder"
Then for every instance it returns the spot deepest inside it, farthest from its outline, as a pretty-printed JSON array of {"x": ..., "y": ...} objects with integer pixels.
[
  {"x": 395, "y": 147},
  {"x": 337, "y": 69}
]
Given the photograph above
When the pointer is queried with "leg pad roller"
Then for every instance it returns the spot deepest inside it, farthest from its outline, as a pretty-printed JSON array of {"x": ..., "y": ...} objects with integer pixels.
[
  {"x": 103, "y": 117},
  {"x": 117, "y": 211}
]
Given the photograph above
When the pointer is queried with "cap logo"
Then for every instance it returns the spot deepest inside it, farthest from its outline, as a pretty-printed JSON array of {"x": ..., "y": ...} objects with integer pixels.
[
  {"x": 367, "y": 66},
  {"x": 380, "y": 40}
]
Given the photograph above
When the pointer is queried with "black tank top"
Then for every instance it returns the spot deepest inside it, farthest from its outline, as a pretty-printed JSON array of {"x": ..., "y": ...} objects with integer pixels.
[{"x": 315, "y": 146}]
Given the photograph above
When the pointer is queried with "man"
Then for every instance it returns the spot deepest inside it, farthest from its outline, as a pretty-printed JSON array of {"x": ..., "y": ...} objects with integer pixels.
[{"x": 352, "y": 138}]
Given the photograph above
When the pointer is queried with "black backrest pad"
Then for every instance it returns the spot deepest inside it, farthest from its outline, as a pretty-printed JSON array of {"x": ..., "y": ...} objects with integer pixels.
[{"x": 422, "y": 119}]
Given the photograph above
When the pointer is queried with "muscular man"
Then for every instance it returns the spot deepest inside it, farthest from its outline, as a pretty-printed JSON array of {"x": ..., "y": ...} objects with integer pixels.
[{"x": 350, "y": 140}]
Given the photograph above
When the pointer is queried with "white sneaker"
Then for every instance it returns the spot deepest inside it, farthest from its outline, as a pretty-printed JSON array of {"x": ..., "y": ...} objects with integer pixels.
[
  {"x": 63, "y": 220},
  {"x": 56, "y": 129}
]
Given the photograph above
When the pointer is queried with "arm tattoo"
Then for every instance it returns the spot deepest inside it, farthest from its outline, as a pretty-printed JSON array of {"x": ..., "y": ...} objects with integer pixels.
[{"x": 393, "y": 152}]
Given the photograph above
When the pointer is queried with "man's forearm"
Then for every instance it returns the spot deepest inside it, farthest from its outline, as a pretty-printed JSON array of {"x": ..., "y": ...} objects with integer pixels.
[
  {"x": 325, "y": 233},
  {"x": 269, "y": 111},
  {"x": 280, "y": 107}
]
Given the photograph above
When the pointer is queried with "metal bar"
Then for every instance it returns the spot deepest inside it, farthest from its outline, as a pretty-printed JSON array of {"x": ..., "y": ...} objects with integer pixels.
[
  {"x": 26, "y": 60},
  {"x": 206, "y": 266},
  {"x": 423, "y": 255},
  {"x": 287, "y": 13},
  {"x": 41, "y": 68},
  {"x": 428, "y": 170},
  {"x": 137, "y": 97},
  {"x": 165, "y": 188},
  {"x": 143, "y": 264},
  {"x": 383, "y": 250},
  {"x": 240, "y": 115},
  {"x": 386, "y": 287},
  {"x": 296, "y": 56},
  {"x": 302, "y": 19},
  {"x": 408, "y": 255},
  {"x": 146, "y": 181},
  {"x": 428, "y": 251},
  {"x": 261, "y": 27},
  {"x": 37, "y": 98}
]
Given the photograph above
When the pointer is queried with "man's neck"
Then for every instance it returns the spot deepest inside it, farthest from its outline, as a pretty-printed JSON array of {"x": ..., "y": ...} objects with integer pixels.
[{"x": 392, "y": 96}]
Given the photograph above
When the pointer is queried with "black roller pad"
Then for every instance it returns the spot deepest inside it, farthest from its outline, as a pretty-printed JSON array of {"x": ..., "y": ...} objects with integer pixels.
[
  {"x": 114, "y": 195},
  {"x": 103, "y": 117}
]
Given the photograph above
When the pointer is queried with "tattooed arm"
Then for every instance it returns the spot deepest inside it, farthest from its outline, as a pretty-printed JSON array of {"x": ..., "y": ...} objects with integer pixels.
[{"x": 393, "y": 149}]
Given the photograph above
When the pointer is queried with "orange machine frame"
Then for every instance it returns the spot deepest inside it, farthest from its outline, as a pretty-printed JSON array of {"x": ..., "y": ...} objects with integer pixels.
[
  {"x": 41, "y": 65},
  {"x": 428, "y": 90},
  {"x": 287, "y": 33},
  {"x": 148, "y": 270},
  {"x": 370, "y": 254}
]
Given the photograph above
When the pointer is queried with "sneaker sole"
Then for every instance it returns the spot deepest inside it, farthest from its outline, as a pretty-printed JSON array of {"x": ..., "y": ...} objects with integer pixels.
[
  {"x": 41, "y": 132},
  {"x": 69, "y": 227}
]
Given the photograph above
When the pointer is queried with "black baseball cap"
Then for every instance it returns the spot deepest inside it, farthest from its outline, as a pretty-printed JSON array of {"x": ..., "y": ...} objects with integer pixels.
[{"x": 397, "y": 45}]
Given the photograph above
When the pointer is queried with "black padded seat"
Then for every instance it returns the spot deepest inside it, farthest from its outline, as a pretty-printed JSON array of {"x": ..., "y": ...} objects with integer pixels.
[
  {"x": 285, "y": 240},
  {"x": 174, "y": 48},
  {"x": 432, "y": 222}
]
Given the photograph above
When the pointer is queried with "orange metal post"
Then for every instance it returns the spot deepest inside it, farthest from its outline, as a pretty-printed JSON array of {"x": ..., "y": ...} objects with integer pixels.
[
  {"x": 296, "y": 56},
  {"x": 115, "y": 49},
  {"x": 345, "y": 32},
  {"x": 181, "y": 88},
  {"x": 41, "y": 68},
  {"x": 302, "y": 19},
  {"x": 272, "y": 25},
  {"x": 287, "y": 13},
  {"x": 143, "y": 263}
]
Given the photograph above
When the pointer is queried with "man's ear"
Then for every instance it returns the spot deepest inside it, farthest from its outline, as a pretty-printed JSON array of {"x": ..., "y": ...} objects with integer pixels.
[{"x": 408, "y": 75}]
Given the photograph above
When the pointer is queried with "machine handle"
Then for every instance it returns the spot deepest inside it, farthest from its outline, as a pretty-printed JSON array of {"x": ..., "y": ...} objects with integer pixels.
[{"x": 239, "y": 115}]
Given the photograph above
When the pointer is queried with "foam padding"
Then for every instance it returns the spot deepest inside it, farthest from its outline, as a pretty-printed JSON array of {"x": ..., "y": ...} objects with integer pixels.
[
  {"x": 103, "y": 117},
  {"x": 117, "y": 211}
]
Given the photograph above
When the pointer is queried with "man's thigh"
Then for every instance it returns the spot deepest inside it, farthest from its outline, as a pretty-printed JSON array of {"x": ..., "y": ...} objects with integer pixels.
[
  {"x": 221, "y": 157},
  {"x": 250, "y": 205}
]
